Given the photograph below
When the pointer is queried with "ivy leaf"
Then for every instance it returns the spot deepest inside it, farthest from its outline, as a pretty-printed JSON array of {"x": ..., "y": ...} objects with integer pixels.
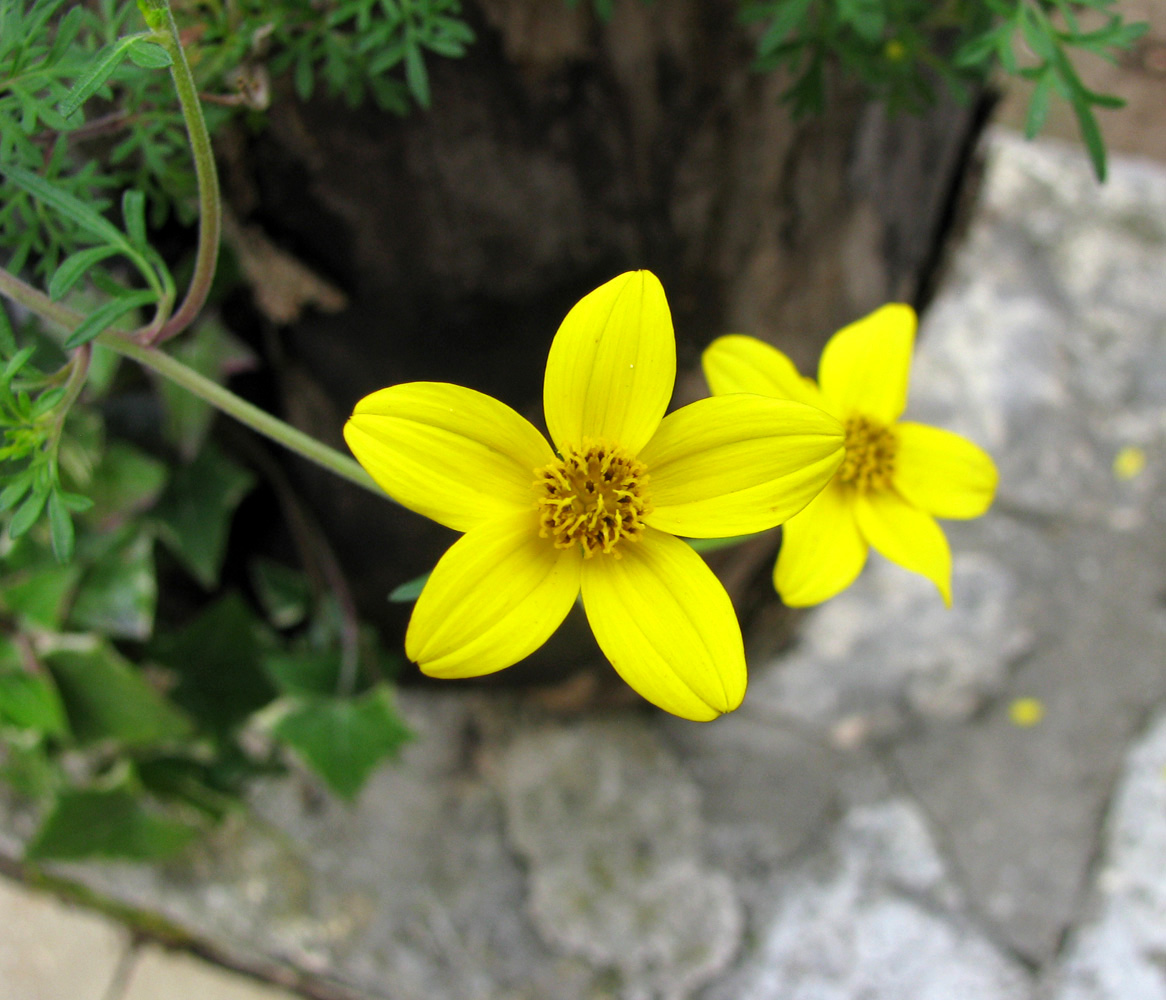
[
  {"x": 30, "y": 701},
  {"x": 115, "y": 823},
  {"x": 119, "y": 592},
  {"x": 194, "y": 514},
  {"x": 39, "y": 595},
  {"x": 344, "y": 739},
  {"x": 105, "y": 697},
  {"x": 217, "y": 659}
]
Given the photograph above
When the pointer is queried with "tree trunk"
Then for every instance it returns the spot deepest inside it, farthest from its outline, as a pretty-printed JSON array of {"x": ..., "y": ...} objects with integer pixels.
[{"x": 558, "y": 153}]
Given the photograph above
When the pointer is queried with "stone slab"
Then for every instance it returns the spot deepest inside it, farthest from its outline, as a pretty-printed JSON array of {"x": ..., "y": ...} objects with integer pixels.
[
  {"x": 1119, "y": 952},
  {"x": 158, "y": 974},
  {"x": 52, "y": 951}
]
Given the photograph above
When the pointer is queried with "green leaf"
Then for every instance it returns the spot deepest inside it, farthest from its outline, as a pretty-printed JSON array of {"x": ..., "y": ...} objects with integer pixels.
[
  {"x": 119, "y": 593},
  {"x": 867, "y": 17},
  {"x": 27, "y": 513},
  {"x": 39, "y": 595},
  {"x": 218, "y": 661},
  {"x": 1091, "y": 135},
  {"x": 107, "y": 698},
  {"x": 30, "y": 701},
  {"x": 307, "y": 672},
  {"x": 104, "y": 316},
  {"x": 67, "y": 204},
  {"x": 785, "y": 18},
  {"x": 133, "y": 213},
  {"x": 60, "y": 528},
  {"x": 409, "y": 591},
  {"x": 416, "y": 76},
  {"x": 125, "y": 482},
  {"x": 71, "y": 269},
  {"x": 149, "y": 55},
  {"x": 1038, "y": 106},
  {"x": 88, "y": 823},
  {"x": 344, "y": 739},
  {"x": 17, "y": 487},
  {"x": 194, "y": 515},
  {"x": 97, "y": 72},
  {"x": 283, "y": 592}
]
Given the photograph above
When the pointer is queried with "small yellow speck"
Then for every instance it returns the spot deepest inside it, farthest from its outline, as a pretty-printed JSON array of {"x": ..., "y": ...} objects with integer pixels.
[
  {"x": 1129, "y": 463},
  {"x": 895, "y": 50},
  {"x": 1026, "y": 712}
]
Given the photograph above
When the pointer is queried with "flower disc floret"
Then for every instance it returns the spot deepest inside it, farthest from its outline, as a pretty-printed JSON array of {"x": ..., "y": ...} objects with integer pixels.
[
  {"x": 870, "y": 455},
  {"x": 595, "y": 496}
]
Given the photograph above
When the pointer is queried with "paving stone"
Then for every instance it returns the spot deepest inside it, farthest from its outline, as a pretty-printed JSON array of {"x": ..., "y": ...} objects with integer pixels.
[
  {"x": 1120, "y": 951},
  {"x": 876, "y": 917},
  {"x": 158, "y": 974},
  {"x": 52, "y": 951}
]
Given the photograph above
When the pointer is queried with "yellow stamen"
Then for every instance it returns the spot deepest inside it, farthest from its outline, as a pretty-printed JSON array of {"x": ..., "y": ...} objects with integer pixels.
[
  {"x": 594, "y": 495},
  {"x": 870, "y": 455}
]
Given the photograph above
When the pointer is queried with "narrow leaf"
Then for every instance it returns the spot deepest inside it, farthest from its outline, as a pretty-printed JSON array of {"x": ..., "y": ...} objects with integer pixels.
[
  {"x": 98, "y": 71},
  {"x": 133, "y": 213},
  {"x": 409, "y": 591},
  {"x": 149, "y": 55},
  {"x": 60, "y": 528},
  {"x": 106, "y": 315},
  {"x": 74, "y": 266},
  {"x": 67, "y": 204},
  {"x": 27, "y": 514},
  {"x": 1038, "y": 107},
  {"x": 416, "y": 76}
]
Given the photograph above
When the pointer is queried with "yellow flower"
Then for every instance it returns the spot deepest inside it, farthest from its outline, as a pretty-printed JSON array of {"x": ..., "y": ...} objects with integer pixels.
[
  {"x": 599, "y": 513},
  {"x": 897, "y": 476}
]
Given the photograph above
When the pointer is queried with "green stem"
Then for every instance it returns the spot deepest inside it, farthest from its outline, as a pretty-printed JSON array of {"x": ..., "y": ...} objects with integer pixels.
[
  {"x": 78, "y": 374},
  {"x": 161, "y": 21},
  {"x": 219, "y": 397},
  {"x": 246, "y": 413}
]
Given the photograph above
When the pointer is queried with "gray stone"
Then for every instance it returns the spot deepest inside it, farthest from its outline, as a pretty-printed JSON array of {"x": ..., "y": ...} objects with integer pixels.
[
  {"x": 875, "y": 917},
  {"x": 1120, "y": 951},
  {"x": 610, "y": 826}
]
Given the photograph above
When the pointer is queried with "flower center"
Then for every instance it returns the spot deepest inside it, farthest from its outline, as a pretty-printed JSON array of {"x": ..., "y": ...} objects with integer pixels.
[
  {"x": 593, "y": 495},
  {"x": 870, "y": 455}
]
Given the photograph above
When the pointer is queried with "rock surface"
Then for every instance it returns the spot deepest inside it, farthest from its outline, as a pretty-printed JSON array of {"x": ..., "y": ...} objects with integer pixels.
[{"x": 879, "y": 821}]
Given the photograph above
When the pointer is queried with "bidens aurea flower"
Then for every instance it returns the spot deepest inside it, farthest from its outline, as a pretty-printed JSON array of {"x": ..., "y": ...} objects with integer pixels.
[
  {"x": 897, "y": 476},
  {"x": 599, "y": 513}
]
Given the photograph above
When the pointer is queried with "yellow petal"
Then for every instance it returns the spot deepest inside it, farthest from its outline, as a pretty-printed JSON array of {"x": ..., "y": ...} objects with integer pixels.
[
  {"x": 737, "y": 363},
  {"x": 943, "y": 473},
  {"x": 493, "y": 598},
  {"x": 736, "y": 464},
  {"x": 667, "y": 626},
  {"x": 906, "y": 535},
  {"x": 450, "y": 453},
  {"x": 822, "y": 550},
  {"x": 865, "y": 366},
  {"x": 612, "y": 365}
]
